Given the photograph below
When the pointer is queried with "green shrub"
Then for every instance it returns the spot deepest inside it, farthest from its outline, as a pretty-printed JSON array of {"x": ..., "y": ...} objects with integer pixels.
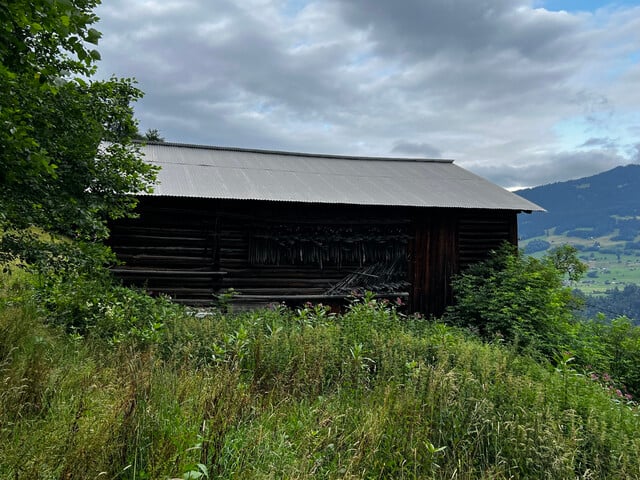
[
  {"x": 609, "y": 351},
  {"x": 72, "y": 287},
  {"x": 518, "y": 299}
]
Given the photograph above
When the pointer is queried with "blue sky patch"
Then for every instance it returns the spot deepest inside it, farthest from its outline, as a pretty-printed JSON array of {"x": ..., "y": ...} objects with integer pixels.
[{"x": 585, "y": 5}]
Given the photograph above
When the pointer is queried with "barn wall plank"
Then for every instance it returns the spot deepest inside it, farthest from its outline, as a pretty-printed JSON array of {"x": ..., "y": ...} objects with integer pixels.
[{"x": 218, "y": 239}]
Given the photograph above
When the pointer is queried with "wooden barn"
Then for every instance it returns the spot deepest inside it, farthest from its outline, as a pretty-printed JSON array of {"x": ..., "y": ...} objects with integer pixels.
[{"x": 280, "y": 226}]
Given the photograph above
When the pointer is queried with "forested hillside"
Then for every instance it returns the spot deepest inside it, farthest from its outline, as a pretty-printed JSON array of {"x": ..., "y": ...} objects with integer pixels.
[
  {"x": 600, "y": 217},
  {"x": 590, "y": 207}
]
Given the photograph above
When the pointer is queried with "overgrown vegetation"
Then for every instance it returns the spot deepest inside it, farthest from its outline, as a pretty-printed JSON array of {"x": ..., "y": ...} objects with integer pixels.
[
  {"x": 519, "y": 298},
  {"x": 99, "y": 381},
  {"x": 529, "y": 303}
]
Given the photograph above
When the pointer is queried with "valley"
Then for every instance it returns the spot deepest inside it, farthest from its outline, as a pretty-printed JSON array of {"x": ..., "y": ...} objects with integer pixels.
[{"x": 599, "y": 215}]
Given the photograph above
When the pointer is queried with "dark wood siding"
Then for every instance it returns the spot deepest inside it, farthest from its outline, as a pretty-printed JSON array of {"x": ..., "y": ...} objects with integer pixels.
[
  {"x": 281, "y": 251},
  {"x": 446, "y": 242},
  {"x": 194, "y": 249},
  {"x": 435, "y": 261},
  {"x": 172, "y": 248},
  {"x": 484, "y": 231},
  {"x": 264, "y": 251}
]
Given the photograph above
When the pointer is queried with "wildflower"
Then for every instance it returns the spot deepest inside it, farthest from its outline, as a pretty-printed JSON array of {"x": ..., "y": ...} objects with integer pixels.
[
  {"x": 618, "y": 392},
  {"x": 606, "y": 377},
  {"x": 594, "y": 377},
  {"x": 628, "y": 396},
  {"x": 399, "y": 302}
]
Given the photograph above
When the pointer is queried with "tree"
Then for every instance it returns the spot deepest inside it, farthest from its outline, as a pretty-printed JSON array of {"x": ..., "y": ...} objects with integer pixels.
[
  {"x": 519, "y": 298},
  {"x": 151, "y": 135},
  {"x": 67, "y": 162}
]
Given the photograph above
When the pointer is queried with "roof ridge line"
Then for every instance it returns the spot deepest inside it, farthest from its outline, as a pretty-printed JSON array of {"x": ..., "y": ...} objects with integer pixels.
[{"x": 299, "y": 154}]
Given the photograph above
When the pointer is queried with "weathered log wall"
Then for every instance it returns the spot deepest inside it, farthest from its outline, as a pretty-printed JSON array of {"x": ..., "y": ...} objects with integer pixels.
[
  {"x": 171, "y": 248},
  {"x": 193, "y": 249},
  {"x": 483, "y": 232},
  {"x": 275, "y": 252},
  {"x": 261, "y": 250}
]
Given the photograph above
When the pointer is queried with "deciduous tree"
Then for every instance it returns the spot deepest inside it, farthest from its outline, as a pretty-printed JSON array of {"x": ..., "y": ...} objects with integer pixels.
[{"x": 67, "y": 160}]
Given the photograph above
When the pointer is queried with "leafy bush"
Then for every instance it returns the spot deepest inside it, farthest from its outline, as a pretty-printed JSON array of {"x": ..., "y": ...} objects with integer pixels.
[
  {"x": 518, "y": 298},
  {"x": 610, "y": 351},
  {"x": 74, "y": 289},
  {"x": 101, "y": 309}
]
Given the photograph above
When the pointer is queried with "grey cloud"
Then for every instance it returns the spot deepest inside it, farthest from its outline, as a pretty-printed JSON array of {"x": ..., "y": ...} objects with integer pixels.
[
  {"x": 247, "y": 67},
  {"x": 418, "y": 149},
  {"x": 466, "y": 27},
  {"x": 475, "y": 61},
  {"x": 556, "y": 168},
  {"x": 600, "y": 142},
  {"x": 488, "y": 80}
]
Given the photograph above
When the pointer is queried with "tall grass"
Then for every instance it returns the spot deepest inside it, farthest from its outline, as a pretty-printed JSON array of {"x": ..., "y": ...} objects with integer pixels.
[{"x": 300, "y": 394}]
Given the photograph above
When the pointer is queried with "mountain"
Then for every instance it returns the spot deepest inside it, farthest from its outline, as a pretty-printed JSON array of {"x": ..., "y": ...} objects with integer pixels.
[{"x": 606, "y": 204}]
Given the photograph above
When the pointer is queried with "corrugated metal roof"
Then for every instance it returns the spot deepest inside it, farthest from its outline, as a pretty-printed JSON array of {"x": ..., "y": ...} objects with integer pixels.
[{"x": 232, "y": 173}]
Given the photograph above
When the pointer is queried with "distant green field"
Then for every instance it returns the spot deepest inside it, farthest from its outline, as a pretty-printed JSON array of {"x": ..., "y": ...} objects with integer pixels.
[{"x": 606, "y": 270}]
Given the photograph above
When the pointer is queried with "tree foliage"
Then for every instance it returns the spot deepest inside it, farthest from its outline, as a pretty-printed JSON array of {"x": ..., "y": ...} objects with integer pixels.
[
  {"x": 67, "y": 159},
  {"x": 615, "y": 302},
  {"x": 519, "y": 298},
  {"x": 151, "y": 135},
  {"x": 536, "y": 246}
]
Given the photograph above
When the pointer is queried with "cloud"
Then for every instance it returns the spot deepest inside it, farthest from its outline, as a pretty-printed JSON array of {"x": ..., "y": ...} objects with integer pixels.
[
  {"x": 635, "y": 157},
  {"x": 600, "y": 142},
  {"x": 404, "y": 147},
  {"x": 465, "y": 28},
  {"x": 556, "y": 168},
  {"x": 486, "y": 82}
]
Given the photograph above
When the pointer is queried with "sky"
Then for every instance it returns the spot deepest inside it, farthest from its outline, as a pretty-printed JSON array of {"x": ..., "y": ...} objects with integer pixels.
[{"x": 522, "y": 92}]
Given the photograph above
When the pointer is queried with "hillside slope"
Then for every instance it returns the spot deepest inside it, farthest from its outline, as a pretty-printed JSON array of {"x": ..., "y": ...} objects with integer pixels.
[{"x": 604, "y": 204}]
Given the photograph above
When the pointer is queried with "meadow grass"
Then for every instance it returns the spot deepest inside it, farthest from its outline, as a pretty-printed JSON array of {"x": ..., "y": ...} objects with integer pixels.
[{"x": 282, "y": 393}]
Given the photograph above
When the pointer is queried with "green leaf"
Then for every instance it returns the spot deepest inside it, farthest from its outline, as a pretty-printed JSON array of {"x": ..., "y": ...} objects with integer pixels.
[{"x": 93, "y": 36}]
